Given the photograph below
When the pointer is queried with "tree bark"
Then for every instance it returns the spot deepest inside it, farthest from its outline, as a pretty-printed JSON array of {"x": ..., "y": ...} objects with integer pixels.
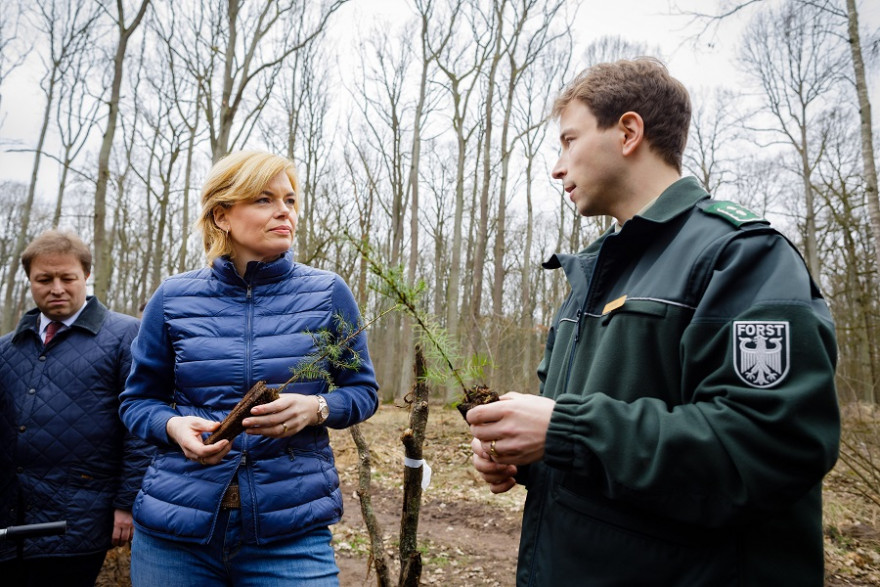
[
  {"x": 101, "y": 249},
  {"x": 479, "y": 261},
  {"x": 865, "y": 126},
  {"x": 10, "y": 317},
  {"x": 413, "y": 439},
  {"x": 365, "y": 496}
]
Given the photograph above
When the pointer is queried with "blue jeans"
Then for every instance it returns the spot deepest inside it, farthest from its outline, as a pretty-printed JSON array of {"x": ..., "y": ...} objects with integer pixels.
[{"x": 227, "y": 561}]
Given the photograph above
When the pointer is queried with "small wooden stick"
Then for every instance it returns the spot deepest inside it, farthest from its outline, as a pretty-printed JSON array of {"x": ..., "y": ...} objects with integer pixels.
[{"x": 231, "y": 426}]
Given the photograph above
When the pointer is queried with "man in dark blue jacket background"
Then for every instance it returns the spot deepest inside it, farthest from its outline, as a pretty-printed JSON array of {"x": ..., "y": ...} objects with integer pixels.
[{"x": 62, "y": 370}]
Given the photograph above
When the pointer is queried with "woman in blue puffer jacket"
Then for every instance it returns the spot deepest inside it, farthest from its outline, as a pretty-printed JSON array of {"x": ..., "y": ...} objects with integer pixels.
[{"x": 255, "y": 510}]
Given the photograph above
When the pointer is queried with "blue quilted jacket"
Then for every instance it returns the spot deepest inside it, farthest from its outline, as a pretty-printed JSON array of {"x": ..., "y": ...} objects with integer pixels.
[
  {"x": 8, "y": 478},
  {"x": 74, "y": 458},
  {"x": 209, "y": 335}
]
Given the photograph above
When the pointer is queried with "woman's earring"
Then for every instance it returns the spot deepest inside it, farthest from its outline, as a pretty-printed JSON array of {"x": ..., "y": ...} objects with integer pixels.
[{"x": 227, "y": 232}]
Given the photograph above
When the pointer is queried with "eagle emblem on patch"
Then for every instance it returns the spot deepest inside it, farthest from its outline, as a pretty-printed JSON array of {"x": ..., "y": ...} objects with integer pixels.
[{"x": 761, "y": 352}]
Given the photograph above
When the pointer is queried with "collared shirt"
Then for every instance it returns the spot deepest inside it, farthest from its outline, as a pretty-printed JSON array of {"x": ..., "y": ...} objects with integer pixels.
[{"x": 67, "y": 322}]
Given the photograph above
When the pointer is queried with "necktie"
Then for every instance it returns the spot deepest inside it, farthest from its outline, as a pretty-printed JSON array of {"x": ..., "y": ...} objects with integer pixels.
[{"x": 51, "y": 329}]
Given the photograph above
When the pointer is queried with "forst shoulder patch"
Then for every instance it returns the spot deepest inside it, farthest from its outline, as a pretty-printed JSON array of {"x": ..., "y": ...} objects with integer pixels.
[
  {"x": 732, "y": 212},
  {"x": 761, "y": 352}
]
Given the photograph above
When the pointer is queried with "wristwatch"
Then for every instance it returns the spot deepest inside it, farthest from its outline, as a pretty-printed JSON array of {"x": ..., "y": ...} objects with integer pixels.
[{"x": 323, "y": 409}]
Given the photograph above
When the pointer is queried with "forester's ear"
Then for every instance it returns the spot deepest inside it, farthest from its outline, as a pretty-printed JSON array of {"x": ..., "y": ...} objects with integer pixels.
[{"x": 633, "y": 130}]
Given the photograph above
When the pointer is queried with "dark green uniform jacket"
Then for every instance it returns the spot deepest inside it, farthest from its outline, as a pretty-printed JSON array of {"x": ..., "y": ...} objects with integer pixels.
[{"x": 693, "y": 371}]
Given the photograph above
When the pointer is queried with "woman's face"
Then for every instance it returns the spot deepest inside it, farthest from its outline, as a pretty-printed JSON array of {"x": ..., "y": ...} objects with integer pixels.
[{"x": 261, "y": 228}]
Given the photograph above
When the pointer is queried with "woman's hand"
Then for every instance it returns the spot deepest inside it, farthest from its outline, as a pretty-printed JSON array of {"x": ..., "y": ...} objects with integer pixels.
[
  {"x": 187, "y": 431},
  {"x": 286, "y": 416}
]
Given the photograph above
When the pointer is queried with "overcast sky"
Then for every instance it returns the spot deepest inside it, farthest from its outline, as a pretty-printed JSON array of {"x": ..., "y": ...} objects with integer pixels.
[{"x": 652, "y": 22}]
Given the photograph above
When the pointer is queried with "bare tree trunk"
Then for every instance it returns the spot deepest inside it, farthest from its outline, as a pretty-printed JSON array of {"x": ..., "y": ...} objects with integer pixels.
[
  {"x": 483, "y": 218},
  {"x": 220, "y": 145},
  {"x": 527, "y": 321},
  {"x": 75, "y": 114},
  {"x": 10, "y": 317},
  {"x": 452, "y": 289},
  {"x": 159, "y": 249},
  {"x": 866, "y": 128},
  {"x": 413, "y": 438},
  {"x": 67, "y": 29},
  {"x": 786, "y": 52},
  {"x": 365, "y": 496},
  {"x": 62, "y": 185},
  {"x": 811, "y": 244},
  {"x": 460, "y": 99},
  {"x": 146, "y": 288},
  {"x": 187, "y": 182},
  {"x": 101, "y": 249},
  {"x": 240, "y": 70},
  {"x": 425, "y": 9}
]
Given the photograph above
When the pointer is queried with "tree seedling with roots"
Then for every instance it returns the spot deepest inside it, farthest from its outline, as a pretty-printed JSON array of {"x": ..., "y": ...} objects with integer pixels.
[
  {"x": 392, "y": 284},
  {"x": 333, "y": 349}
]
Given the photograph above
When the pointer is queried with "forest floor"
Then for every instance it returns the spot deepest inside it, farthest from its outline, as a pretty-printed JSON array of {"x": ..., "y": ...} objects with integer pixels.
[{"x": 469, "y": 537}]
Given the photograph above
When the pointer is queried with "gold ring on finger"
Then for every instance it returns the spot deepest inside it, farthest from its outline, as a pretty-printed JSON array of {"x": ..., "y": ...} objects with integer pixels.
[
  {"x": 492, "y": 452},
  {"x": 284, "y": 426}
]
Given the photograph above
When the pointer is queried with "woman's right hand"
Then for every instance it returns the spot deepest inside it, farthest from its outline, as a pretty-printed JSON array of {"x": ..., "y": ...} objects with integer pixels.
[{"x": 187, "y": 431}]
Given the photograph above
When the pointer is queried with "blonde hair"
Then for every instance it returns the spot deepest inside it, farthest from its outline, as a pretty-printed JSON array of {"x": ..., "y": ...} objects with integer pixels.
[{"x": 234, "y": 178}]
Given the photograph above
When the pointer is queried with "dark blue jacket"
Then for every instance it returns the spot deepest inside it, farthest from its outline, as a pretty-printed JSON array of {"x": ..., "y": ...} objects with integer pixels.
[
  {"x": 207, "y": 337},
  {"x": 73, "y": 457},
  {"x": 8, "y": 478}
]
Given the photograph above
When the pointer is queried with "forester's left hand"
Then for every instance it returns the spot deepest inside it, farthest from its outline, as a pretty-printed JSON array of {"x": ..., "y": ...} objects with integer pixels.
[
  {"x": 513, "y": 430},
  {"x": 285, "y": 416},
  {"x": 500, "y": 477}
]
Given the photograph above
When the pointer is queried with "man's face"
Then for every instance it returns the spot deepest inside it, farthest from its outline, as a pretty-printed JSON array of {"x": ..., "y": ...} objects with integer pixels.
[
  {"x": 58, "y": 284},
  {"x": 590, "y": 164}
]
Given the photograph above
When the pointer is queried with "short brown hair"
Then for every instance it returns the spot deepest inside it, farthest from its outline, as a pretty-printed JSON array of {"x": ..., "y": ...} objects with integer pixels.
[
  {"x": 57, "y": 242},
  {"x": 643, "y": 86},
  {"x": 237, "y": 177}
]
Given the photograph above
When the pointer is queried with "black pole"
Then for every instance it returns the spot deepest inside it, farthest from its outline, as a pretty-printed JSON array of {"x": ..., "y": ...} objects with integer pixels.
[{"x": 33, "y": 530}]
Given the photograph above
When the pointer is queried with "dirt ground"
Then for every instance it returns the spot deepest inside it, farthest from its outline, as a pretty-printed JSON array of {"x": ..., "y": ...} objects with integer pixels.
[{"x": 469, "y": 537}]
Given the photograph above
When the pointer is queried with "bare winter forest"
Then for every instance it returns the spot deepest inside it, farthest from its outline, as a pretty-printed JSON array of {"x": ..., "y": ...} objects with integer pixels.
[{"x": 425, "y": 135}]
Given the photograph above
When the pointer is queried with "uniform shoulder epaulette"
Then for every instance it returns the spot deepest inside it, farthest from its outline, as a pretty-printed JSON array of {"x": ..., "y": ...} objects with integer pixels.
[{"x": 730, "y": 211}]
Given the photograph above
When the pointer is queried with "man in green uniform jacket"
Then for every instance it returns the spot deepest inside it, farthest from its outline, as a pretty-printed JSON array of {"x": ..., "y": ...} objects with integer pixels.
[{"x": 687, "y": 412}]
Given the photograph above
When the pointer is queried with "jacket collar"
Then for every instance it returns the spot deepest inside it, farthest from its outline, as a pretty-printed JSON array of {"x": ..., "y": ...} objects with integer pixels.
[
  {"x": 677, "y": 199},
  {"x": 90, "y": 319},
  {"x": 256, "y": 272}
]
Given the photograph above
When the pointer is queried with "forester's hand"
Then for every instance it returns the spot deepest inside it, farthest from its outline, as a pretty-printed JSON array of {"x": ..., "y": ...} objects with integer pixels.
[
  {"x": 513, "y": 430},
  {"x": 187, "y": 431},
  {"x": 286, "y": 416},
  {"x": 499, "y": 477}
]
